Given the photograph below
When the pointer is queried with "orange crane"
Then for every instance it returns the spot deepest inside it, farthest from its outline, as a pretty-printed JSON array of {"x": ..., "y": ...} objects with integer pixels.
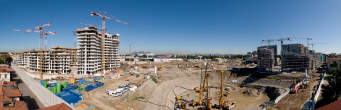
[
  {"x": 41, "y": 31},
  {"x": 47, "y": 33},
  {"x": 103, "y": 32}
]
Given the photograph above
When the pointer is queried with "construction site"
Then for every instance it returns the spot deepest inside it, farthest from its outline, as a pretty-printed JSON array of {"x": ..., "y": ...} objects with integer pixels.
[{"x": 92, "y": 75}]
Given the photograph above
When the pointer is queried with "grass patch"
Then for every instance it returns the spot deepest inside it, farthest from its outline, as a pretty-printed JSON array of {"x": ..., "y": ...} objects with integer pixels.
[
  {"x": 273, "y": 77},
  {"x": 135, "y": 96},
  {"x": 319, "y": 98},
  {"x": 329, "y": 76},
  {"x": 154, "y": 79},
  {"x": 139, "y": 97}
]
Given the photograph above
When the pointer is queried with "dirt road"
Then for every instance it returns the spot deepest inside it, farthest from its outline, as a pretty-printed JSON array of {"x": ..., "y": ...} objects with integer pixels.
[{"x": 296, "y": 101}]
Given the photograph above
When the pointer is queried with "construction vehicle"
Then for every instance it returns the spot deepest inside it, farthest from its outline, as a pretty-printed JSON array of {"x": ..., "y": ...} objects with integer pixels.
[
  {"x": 304, "y": 84},
  {"x": 197, "y": 89},
  {"x": 294, "y": 88}
]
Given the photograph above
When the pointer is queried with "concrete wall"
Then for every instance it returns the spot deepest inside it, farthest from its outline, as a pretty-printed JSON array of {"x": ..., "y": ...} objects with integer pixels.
[
  {"x": 46, "y": 97},
  {"x": 281, "y": 96},
  {"x": 318, "y": 92}
]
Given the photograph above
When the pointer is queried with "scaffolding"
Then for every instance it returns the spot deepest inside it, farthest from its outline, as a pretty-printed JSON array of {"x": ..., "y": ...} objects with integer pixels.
[
  {"x": 266, "y": 58},
  {"x": 295, "y": 58},
  {"x": 89, "y": 55},
  {"x": 56, "y": 60}
]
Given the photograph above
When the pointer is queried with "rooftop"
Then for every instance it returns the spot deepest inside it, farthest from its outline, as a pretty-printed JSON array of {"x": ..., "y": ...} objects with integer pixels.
[
  {"x": 5, "y": 69},
  {"x": 332, "y": 106},
  {"x": 61, "y": 106}
]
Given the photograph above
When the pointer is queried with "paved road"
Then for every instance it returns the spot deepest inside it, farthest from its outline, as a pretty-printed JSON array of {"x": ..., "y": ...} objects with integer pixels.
[
  {"x": 43, "y": 95},
  {"x": 27, "y": 94}
]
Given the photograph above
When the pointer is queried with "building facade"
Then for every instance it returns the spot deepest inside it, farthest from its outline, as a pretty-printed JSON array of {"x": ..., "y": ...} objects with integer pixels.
[
  {"x": 266, "y": 56},
  {"x": 90, "y": 47},
  {"x": 295, "y": 58},
  {"x": 56, "y": 60},
  {"x": 86, "y": 59}
]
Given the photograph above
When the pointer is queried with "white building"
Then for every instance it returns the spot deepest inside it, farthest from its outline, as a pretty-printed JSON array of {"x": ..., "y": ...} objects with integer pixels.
[
  {"x": 5, "y": 73},
  {"x": 56, "y": 60},
  {"x": 89, "y": 54}
]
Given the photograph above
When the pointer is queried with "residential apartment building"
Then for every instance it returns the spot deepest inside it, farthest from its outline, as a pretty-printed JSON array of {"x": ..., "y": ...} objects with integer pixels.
[
  {"x": 56, "y": 60},
  {"x": 85, "y": 59},
  {"x": 266, "y": 58},
  {"x": 295, "y": 57},
  {"x": 89, "y": 54}
]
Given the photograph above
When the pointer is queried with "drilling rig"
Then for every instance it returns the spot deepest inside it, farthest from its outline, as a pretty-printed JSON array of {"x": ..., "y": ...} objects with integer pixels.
[{"x": 204, "y": 100}]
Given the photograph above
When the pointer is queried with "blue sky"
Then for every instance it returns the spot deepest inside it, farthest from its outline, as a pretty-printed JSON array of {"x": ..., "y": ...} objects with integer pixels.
[{"x": 178, "y": 26}]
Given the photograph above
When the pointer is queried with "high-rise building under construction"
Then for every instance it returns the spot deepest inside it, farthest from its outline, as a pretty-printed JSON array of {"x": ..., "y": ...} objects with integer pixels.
[
  {"x": 85, "y": 59},
  {"x": 266, "y": 57},
  {"x": 89, "y": 54}
]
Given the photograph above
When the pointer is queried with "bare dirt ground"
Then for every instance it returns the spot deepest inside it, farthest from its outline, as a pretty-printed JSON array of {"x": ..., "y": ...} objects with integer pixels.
[
  {"x": 164, "y": 95},
  {"x": 102, "y": 101},
  {"x": 175, "y": 80},
  {"x": 296, "y": 101}
]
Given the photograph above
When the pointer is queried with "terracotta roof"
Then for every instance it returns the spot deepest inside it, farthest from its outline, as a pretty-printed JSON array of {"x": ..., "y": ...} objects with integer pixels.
[
  {"x": 7, "y": 91},
  {"x": 5, "y": 69},
  {"x": 12, "y": 92},
  {"x": 7, "y": 83},
  {"x": 61, "y": 106},
  {"x": 21, "y": 105},
  {"x": 18, "y": 105},
  {"x": 4, "y": 98},
  {"x": 332, "y": 106}
]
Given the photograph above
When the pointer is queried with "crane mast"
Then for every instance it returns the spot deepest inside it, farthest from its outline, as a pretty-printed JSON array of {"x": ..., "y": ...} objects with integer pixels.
[
  {"x": 40, "y": 52},
  {"x": 103, "y": 33}
]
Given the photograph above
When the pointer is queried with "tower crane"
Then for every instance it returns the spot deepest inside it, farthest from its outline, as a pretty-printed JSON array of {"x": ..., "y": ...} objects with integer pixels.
[
  {"x": 308, "y": 40},
  {"x": 103, "y": 32},
  {"x": 90, "y": 25},
  {"x": 313, "y": 44},
  {"x": 268, "y": 41},
  {"x": 47, "y": 33},
  {"x": 280, "y": 40},
  {"x": 41, "y": 31},
  {"x": 305, "y": 38},
  {"x": 283, "y": 39},
  {"x": 74, "y": 46}
]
